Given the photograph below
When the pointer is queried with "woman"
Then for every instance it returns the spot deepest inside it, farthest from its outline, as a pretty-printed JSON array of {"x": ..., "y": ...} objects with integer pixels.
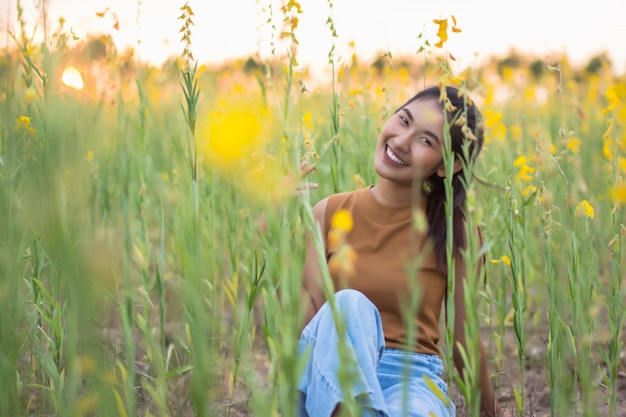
[{"x": 371, "y": 294}]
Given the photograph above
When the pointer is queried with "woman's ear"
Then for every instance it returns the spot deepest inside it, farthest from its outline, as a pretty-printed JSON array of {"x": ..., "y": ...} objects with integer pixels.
[{"x": 441, "y": 172}]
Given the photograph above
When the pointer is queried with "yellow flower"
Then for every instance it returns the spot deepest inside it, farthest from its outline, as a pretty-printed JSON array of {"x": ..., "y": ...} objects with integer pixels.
[
  {"x": 612, "y": 96},
  {"x": 89, "y": 156},
  {"x": 307, "y": 120},
  {"x": 517, "y": 132},
  {"x": 606, "y": 149},
  {"x": 585, "y": 209},
  {"x": 574, "y": 144},
  {"x": 234, "y": 141},
  {"x": 442, "y": 32},
  {"x": 87, "y": 404},
  {"x": 503, "y": 259},
  {"x": 507, "y": 74},
  {"x": 499, "y": 131},
  {"x": 342, "y": 220},
  {"x": 87, "y": 365},
  {"x": 334, "y": 239},
  {"x": 292, "y": 4},
  {"x": 607, "y": 140},
  {"x": 28, "y": 51},
  {"x": 233, "y": 133},
  {"x": 492, "y": 118},
  {"x": 529, "y": 190},
  {"x": 342, "y": 262},
  {"x": 524, "y": 173},
  {"x": 30, "y": 95},
  {"x": 343, "y": 258},
  {"x": 619, "y": 193},
  {"x": 109, "y": 376},
  {"x": 521, "y": 160},
  {"x": 454, "y": 28},
  {"x": 358, "y": 181},
  {"x": 22, "y": 121},
  {"x": 464, "y": 75}
]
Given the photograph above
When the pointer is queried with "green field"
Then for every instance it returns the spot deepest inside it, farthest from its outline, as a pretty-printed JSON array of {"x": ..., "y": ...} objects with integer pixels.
[{"x": 136, "y": 279}]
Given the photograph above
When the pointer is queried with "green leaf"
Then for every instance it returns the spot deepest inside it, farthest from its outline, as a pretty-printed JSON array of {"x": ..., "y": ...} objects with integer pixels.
[
  {"x": 436, "y": 390},
  {"x": 553, "y": 69}
]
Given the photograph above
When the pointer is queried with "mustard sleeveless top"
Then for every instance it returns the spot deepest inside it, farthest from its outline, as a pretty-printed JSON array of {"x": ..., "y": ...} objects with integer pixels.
[{"x": 383, "y": 238}]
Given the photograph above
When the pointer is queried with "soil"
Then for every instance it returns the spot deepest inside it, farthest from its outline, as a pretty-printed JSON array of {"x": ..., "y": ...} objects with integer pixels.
[{"x": 537, "y": 386}]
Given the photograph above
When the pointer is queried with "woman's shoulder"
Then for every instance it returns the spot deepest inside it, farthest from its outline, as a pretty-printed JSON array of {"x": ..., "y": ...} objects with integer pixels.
[
  {"x": 319, "y": 209},
  {"x": 342, "y": 197},
  {"x": 327, "y": 206}
]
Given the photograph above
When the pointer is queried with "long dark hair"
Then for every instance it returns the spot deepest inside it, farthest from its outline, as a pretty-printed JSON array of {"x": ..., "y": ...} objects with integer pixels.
[{"x": 435, "y": 208}]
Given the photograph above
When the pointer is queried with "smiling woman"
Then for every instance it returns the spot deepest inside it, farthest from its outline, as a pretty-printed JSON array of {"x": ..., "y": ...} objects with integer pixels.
[{"x": 356, "y": 326}]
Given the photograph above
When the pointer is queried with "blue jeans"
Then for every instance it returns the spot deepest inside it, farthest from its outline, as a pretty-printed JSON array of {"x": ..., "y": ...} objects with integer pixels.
[{"x": 384, "y": 382}]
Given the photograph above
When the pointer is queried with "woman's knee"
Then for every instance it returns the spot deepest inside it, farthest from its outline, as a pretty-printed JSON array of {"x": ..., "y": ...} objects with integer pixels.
[
  {"x": 357, "y": 310},
  {"x": 350, "y": 300},
  {"x": 354, "y": 309}
]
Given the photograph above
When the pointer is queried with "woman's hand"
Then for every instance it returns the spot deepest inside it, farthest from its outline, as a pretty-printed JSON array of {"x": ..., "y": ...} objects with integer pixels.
[{"x": 306, "y": 168}]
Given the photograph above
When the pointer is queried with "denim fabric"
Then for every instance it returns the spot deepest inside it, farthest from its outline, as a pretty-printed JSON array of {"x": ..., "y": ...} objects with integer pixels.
[{"x": 386, "y": 382}]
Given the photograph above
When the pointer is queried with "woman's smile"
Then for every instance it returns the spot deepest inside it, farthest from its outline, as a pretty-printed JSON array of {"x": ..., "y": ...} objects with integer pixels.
[{"x": 395, "y": 159}]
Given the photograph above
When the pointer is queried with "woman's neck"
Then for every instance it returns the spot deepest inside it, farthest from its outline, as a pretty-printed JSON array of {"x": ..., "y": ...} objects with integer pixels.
[{"x": 392, "y": 194}]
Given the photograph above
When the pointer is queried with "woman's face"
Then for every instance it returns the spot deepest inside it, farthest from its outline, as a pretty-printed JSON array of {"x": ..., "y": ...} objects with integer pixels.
[{"x": 410, "y": 145}]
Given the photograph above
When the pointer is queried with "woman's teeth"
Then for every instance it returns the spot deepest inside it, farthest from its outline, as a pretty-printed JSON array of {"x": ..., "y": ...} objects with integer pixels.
[{"x": 394, "y": 158}]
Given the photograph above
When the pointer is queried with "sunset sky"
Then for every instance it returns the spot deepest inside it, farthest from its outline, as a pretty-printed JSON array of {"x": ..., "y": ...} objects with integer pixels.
[{"x": 235, "y": 28}]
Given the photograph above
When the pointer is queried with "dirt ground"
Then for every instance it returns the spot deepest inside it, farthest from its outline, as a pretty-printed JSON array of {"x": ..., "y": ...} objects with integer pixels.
[{"x": 537, "y": 387}]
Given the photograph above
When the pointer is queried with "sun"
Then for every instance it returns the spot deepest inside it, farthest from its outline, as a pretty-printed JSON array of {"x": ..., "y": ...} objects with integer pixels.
[{"x": 71, "y": 77}]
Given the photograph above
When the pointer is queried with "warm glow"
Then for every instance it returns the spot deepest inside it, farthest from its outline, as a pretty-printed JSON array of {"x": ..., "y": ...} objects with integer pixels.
[{"x": 72, "y": 78}]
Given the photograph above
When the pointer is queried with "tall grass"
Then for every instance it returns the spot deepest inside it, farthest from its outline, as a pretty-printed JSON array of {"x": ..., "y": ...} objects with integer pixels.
[{"x": 135, "y": 278}]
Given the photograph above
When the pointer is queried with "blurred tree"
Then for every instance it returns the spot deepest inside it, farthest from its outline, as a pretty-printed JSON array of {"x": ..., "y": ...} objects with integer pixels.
[
  {"x": 513, "y": 61},
  {"x": 537, "y": 68},
  {"x": 597, "y": 63},
  {"x": 96, "y": 48},
  {"x": 251, "y": 66}
]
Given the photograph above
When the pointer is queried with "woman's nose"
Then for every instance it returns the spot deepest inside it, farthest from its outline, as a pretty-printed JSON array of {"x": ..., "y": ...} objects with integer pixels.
[{"x": 403, "y": 142}]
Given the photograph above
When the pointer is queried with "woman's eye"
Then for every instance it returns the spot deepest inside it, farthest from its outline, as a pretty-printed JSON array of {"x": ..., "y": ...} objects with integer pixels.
[
  {"x": 425, "y": 140},
  {"x": 404, "y": 120}
]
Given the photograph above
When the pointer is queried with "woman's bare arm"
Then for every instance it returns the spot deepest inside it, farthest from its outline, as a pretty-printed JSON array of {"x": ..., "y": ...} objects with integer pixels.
[{"x": 312, "y": 291}]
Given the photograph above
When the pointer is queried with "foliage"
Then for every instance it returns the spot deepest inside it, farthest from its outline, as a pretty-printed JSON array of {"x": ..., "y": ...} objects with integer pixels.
[{"x": 130, "y": 287}]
